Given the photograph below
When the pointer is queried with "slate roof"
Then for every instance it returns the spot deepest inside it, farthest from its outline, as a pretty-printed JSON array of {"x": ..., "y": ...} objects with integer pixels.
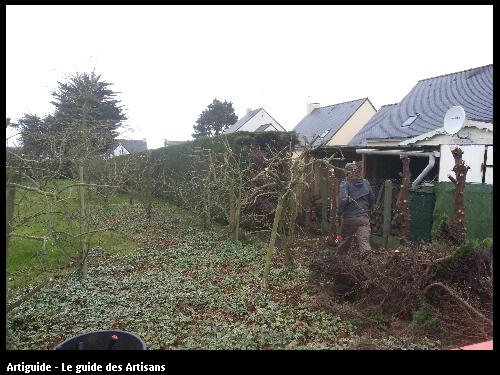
[
  {"x": 431, "y": 98},
  {"x": 242, "y": 121},
  {"x": 133, "y": 146},
  {"x": 325, "y": 121},
  {"x": 172, "y": 143}
]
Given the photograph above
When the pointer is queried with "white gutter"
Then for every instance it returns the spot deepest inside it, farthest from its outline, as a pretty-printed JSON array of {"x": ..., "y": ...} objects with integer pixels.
[
  {"x": 431, "y": 155},
  {"x": 432, "y": 161}
]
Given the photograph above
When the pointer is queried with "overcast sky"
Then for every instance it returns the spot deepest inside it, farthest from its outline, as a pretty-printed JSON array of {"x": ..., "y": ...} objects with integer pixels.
[{"x": 170, "y": 62}]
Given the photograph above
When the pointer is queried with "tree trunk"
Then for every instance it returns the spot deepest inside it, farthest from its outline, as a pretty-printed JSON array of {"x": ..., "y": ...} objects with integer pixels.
[
  {"x": 307, "y": 195},
  {"x": 289, "y": 232},
  {"x": 456, "y": 227},
  {"x": 10, "y": 205},
  {"x": 332, "y": 180},
  {"x": 149, "y": 188},
  {"x": 237, "y": 213},
  {"x": 272, "y": 242},
  {"x": 402, "y": 215},
  {"x": 386, "y": 226},
  {"x": 208, "y": 197},
  {"x": 83, "y": 229},
  {"x": 232, "y": 209},
  {"x": 324, "y": 202}
]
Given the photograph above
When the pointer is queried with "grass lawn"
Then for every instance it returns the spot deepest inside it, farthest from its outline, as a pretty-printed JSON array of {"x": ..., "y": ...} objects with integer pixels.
[
  {"x": 27, "y": 262},
  {"x": 186, "y": 288}
]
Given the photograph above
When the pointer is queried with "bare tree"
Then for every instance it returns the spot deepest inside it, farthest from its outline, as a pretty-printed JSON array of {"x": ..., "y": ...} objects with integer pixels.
[
  {"x": 402, "y": 215},
  {"x": 456, "y": 227},
  {"x": 287, "y": 175}
]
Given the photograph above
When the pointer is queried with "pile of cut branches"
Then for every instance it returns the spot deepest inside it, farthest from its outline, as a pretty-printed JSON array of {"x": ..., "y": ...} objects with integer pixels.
[{"x": 457, "y": 282}]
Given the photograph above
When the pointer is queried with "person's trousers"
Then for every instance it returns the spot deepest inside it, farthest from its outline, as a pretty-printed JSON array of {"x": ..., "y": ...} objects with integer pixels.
[{"x": 358, "y": 227}]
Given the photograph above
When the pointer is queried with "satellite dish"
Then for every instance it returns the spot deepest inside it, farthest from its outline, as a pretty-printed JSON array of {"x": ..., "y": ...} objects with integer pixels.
[{"x": 454, "y": 119}]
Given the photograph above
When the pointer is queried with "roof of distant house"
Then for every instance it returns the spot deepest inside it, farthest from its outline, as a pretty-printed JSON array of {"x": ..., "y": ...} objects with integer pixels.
[
  {"x": 132, "y": 145},
  {"x": 172, "y": 143},
  {"x": 423, "y": 108},
  {"x": 242, "y": 121},
  {"x": 319, "y": 126}
]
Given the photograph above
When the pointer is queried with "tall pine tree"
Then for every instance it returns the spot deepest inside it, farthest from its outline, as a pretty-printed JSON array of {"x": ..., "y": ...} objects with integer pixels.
[{"x": 85, "y": 121}]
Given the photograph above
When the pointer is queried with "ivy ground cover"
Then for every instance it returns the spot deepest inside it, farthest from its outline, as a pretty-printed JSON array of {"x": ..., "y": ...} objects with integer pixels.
[{"x": 185, "y": 288}]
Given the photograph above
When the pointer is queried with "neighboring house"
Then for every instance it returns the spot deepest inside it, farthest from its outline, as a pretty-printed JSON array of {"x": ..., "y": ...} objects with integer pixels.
[
  {"x": 257, "y": 120},
  {"x": 417, "y": 123},
  {"x": 167, "y": 143},
  {"x": 333, "y": 125},
  {"x": 129, "y": 146},
  {"x": 476, "y": 141}
]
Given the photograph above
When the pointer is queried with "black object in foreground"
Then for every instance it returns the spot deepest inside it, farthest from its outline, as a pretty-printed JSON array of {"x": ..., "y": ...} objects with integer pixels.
[{"x": 113, "y": 339}]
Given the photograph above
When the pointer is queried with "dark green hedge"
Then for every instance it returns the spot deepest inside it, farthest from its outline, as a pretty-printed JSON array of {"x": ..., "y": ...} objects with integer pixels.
[{"x": 174, "y": 163}]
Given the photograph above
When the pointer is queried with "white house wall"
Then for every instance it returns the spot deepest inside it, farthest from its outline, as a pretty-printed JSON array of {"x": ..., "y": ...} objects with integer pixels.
[
  {"x": 473, "y": 156},
  {"x": 261, "y": 118}
]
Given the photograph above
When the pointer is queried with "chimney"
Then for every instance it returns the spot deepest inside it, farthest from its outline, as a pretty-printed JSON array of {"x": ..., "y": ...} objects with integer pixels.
[{"x": 311, "y": 107}]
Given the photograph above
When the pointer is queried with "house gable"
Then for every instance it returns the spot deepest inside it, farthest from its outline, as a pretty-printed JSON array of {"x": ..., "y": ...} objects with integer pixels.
[
  {"x": 131, "y": 146},
  {"x": 120, "y": 150},
  {"x": 353, "y": 125},
  {"x": 259, "y": 119},
  {"x": 254, "y": 121}
]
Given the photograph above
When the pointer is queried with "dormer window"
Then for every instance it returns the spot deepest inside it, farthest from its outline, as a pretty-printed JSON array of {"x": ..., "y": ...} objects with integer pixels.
[
  {"x": 410, "y": 120},
  {"x": 323, "y": 135}
]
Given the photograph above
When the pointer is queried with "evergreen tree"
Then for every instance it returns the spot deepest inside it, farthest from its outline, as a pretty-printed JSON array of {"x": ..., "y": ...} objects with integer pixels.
[
  {"x": 87, "y": 110},
  {"x": 213, "y": 120},
  {"x": 84, "y": 123}
]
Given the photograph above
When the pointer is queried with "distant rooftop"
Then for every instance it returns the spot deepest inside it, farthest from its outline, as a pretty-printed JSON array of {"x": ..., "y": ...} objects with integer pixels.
[
  {"x": 167, "y": 143},
  {"x": 319, "y": 126},
  {"x": 133, "y": 146},
  {"x": 242, "y": 121},
  {"x": 423, "y": 108}
]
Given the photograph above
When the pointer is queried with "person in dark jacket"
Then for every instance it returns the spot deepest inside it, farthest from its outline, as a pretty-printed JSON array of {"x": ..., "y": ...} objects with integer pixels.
[{"x": 355, "y": 200}]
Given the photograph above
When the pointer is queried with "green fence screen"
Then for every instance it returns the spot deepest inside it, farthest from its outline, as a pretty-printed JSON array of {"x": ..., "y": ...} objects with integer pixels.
[
  {"x": 430, "y": 205},
  {"x": 478, "y": 208},
  {"x": 421, "y": 210}
]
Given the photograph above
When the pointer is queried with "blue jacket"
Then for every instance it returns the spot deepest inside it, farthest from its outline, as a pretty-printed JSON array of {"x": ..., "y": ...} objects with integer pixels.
[{"x": 355, "y": 198}]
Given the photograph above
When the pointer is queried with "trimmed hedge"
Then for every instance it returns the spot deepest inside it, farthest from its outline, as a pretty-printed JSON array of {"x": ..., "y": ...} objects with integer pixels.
[{"x": 173, "y": 163}]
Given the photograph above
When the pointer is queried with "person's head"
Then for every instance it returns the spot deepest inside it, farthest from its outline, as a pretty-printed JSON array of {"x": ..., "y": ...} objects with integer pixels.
[{"x": 353, "y": 170}]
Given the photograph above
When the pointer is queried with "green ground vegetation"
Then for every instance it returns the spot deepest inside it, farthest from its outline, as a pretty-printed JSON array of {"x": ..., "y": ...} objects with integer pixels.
[
  {"x": 27, "y": 261},
  {"x": 183, "y": 287}
]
